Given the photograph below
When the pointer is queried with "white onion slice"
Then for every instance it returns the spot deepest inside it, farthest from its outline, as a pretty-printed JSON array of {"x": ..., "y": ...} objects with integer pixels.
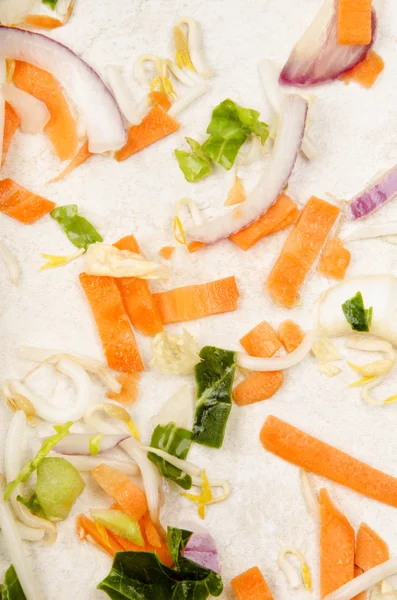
[
  {"x": 363, "y": 582},
  {"x": 272, "y": 182},
  {"x": 33, "y": 113},
  {"x": 269, "y": 75},
  {"x": 365, "y": 232},
  {"x": 178, "y": 409},
  {"x": 187, "y": 98},
  {"x": 79, "y": 443},
  {"x": 123, "y": 95},
  {"x": 279, "y": 363},
  {"x": 195, "y": 45},
  {"x": 375, "y": 195},
  {"x": 29, "y": 534},
  {"x": 378, "y": 291},
  {"x": 10, "y": 262},
  {"x": 101, "y": 115}
]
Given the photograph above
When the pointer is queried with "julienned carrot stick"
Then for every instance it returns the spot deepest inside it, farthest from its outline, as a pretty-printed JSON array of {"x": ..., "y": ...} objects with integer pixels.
[
  {"x": 367, "y": 71},
  {"x": 61, "y": 128},
  {"x": 371, "y": 549},
  {"x": 300, "y": 251},
  {"x": 129, "y": 389},
  {"x": 129, "y": 497},
  {"x": 261, "y": 341},
  {"x": 197, "y": 301},
  {"x": 283, "y": 211},
  {"x": 336, "y": 546},
  {"x": 251, "y": 585},
  {"x": 290, "y": 335},
  {"x": 82, "y": 155},
  {"x": 154, "y": 126},
  {"x": 22, "y": 205},
  {"x": 316, "y": 456},
  {"x": 86, "y": 527},
  {"x": 334, "y": 260},
  {"x": 137, "y": 297},
  {"x": 354, "y": 22},
  {"x": 11, "y": 124},
  {"x": 118, "y": 340}
]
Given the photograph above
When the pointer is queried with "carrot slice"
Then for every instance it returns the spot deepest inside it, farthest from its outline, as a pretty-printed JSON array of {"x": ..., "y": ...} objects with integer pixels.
[
  {"x": 251, "y": 585},
  {"x": 86, "y": 527},
  {"x": 154, "y": 126},
  {"x": 161, "y": 99},
  {"x": 336, "y": 546},
  {"x": 61, "y": 128},
  {"x": 194, "y": 246},
  {"x": 43, "y": 21},
  {"x": 354, "y": 22},
  {"x": 117, "y": 337},
  {"x": 11, "y": 124},
  {"x": 284, "y": 209},
  {"x": 129, "y": 389},
  {"x": 290, "y": 335},
  {"x": 357, "y": 572},
  {"x": 300, "y": 251},
  {"x": 137, "y": 297},
  {"x": 334, "y": 260},
  {"x": 236, "y": 193},
  {"x": 371, "y": 549},
  {"x": 167, "y": 252},
  {"x": 197, "y": 301},
  {"x": 151, "y": 533},
  {"x": 261, "y": 341},
  {"x": 367, "y": 71},
  {"x": 82, "y": 155},
  {"x": 22, "y": 205},
  {"x": 303, "y": 450},
  {"x": 118, "y": 486}
]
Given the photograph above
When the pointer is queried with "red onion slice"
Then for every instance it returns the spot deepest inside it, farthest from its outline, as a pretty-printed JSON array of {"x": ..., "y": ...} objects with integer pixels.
[
  {"x": 374, "y": 196},
  {"x": 79, "y": 443},
  {"x": 271, "y": 184},
  {"x": 201, "y": 549},
  {"x": 99, "y": 110},
  {"x": 317, "y": 57}
]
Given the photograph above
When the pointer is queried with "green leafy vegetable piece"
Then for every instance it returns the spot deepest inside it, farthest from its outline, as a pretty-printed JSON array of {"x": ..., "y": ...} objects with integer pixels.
[
  {"x": 11, "y": 588},
  {"x": 224, "y": 151},
  {"x": 32, "y": 465},
  {"x": 33, "y": 505},
  {"x": 214, "y": 378},
  {"x": 230, "y": 120},
  {"x": 176, "y": 441},
  {"x": 58, "y": 486},
  {"x": 51, "y": 3},
  {"x": 79, "y": 231},
  {"x": 195, "y": 165},
  {"x": 357, "y": 316},
  {"x": 140, "y": 575},
  {"x": 95, "y": 444},
  {"x": 120, "y": 524}
]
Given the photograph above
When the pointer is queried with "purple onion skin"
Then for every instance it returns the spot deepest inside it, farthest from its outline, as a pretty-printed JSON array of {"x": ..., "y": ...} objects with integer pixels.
[
  {"x": 310, "y": 72},
  {"x": 201, "y": 549},
  {"x": 209, "y": 560},
  {"x": 374, "y": 197}
]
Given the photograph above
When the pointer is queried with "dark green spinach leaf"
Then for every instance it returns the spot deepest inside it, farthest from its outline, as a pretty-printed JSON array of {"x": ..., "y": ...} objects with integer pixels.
[
  {"x": 175, "y": 441},
  {"x": 79, "y": 231},
  {"x": 357, "y": 316}
]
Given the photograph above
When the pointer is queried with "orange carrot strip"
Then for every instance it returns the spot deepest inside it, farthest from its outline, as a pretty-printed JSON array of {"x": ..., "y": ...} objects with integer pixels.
[
  {"x": 290, "y": 335},
  {"x": 313, "y": 455},
  {"x": 300, "y": 251},
  {"x": 367, "y": 71},
  {"x": 283, "y": 209},
  {"x": 336, "y": 546},
  {"x": 354, "y": 22},
  {"x": 137, "y": 297},
  {"x": 161, "y": 99},
  {"x": 194, "y": 246},
  {"x": 166, "y": 252},
  {"x": 371, "y": 549},
  {"x": 87, "y": 527},
  {"x": 118, "y": 486},
  {"x": 251, "y": 585},
  {"x": 357, "y": 572},
  {"x": 154, "y": 126},
  {"x": 82, "y": 155},
  {"x": 261, "y": 341},
  {"x": 11, "y": 124},
  {"x": 334, "y": 260},
  {"x": 129, "y": 389},
  {"x": 117, "y": 337},
  {"x": 43, "y": 21},
  {"x": 197, "y": 301},
  {"x": 151, "y": 533},
  {"x": 20, "y": 204},
  {"x": 61, "y": 128}
]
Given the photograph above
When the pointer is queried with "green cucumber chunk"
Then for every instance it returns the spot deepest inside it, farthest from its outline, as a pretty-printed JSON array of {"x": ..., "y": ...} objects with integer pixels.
[
  {"x": 119, "y": 523},
  {"x": 58, "y": 486}
]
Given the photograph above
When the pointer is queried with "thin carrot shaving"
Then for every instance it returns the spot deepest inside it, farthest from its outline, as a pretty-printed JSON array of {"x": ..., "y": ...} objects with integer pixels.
[
  {"x": 205, "y": 496},
  {"x": 236, "y": 193},
  {"x": 82, "y": 155},
  {"x": 181, "y": 45}
]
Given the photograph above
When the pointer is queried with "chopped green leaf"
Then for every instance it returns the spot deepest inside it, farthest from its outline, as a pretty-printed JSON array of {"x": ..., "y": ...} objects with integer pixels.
[
  {"x": 51, "y": 3},
  {"x": 224, "y": 151},
  {"x": 214, "y": 377},
  {"x": 79, "y": 231},
  {"x": 195, "y": 165},
  {"x": 176, "y": 441},
  {"x": 11, "y": 589},
  {"x": 95, "y": 444},
  {"x": 32, "y": 504},
  {"x": 357, "y": 316},
  {"x": 229, "y": 120},
  {"x": 32, "y": 465}
]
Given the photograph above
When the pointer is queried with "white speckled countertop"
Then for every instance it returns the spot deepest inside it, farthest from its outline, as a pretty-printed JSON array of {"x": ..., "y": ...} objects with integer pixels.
[{"x": 356, "y": 134}]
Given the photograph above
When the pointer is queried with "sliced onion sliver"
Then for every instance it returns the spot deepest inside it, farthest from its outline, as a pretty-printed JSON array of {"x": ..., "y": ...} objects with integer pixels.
[
  {"x": 187, "y": 98},
  {"x": 370, "y": 231},
  {"x": 33, "y": 113},
  {"x": 375, "y": 195},
  {"x": 272, "y": 182},
  {"x": 102, "y": 118},
  {"x": 29, "y": 534},
  {"x": 88, "y": 463},
  {"x": 279, "y": 363},
  {"x": 10, "y": 263},
  {"x": 79, "y": 443},
  {"x": 123, "y": 95},
  {"x": 365, "y": 581},
  {"x": 269, "y": 75}
]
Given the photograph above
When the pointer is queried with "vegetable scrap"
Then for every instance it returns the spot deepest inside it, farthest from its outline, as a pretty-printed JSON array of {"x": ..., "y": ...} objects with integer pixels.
[
  {"x": 110, "y": 261},
  {"x": 122, "y": 490},
  {"x": 371, "y": 549},
  {"x": 59, "y": 261},
  {"x": 78, "y": 230},
  {"x": 166, "y": 252},
  {"x": 290, "y": 335},
  {"x": 175, "y": 355},
  {"x": 236, "y": 193},
  {"x": 366, "y": 72},
  {"x": 292, "y": 576},
  {"x": 81, "y": 157},
  {"x": 11, "y": 124},
  {"x": 195, "y": 165},
  {"x": 176, "y": 441},
  {"x": 354, "y": 22},
  {"x": 251, "y": 585},
  {"x": 21, "y": 204},
  {"x": 335, "y": 259},
  {"x": 378, "y": 192},
  {"x": 357, "y": 316},
  {"x": 129, "y": 392}
]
